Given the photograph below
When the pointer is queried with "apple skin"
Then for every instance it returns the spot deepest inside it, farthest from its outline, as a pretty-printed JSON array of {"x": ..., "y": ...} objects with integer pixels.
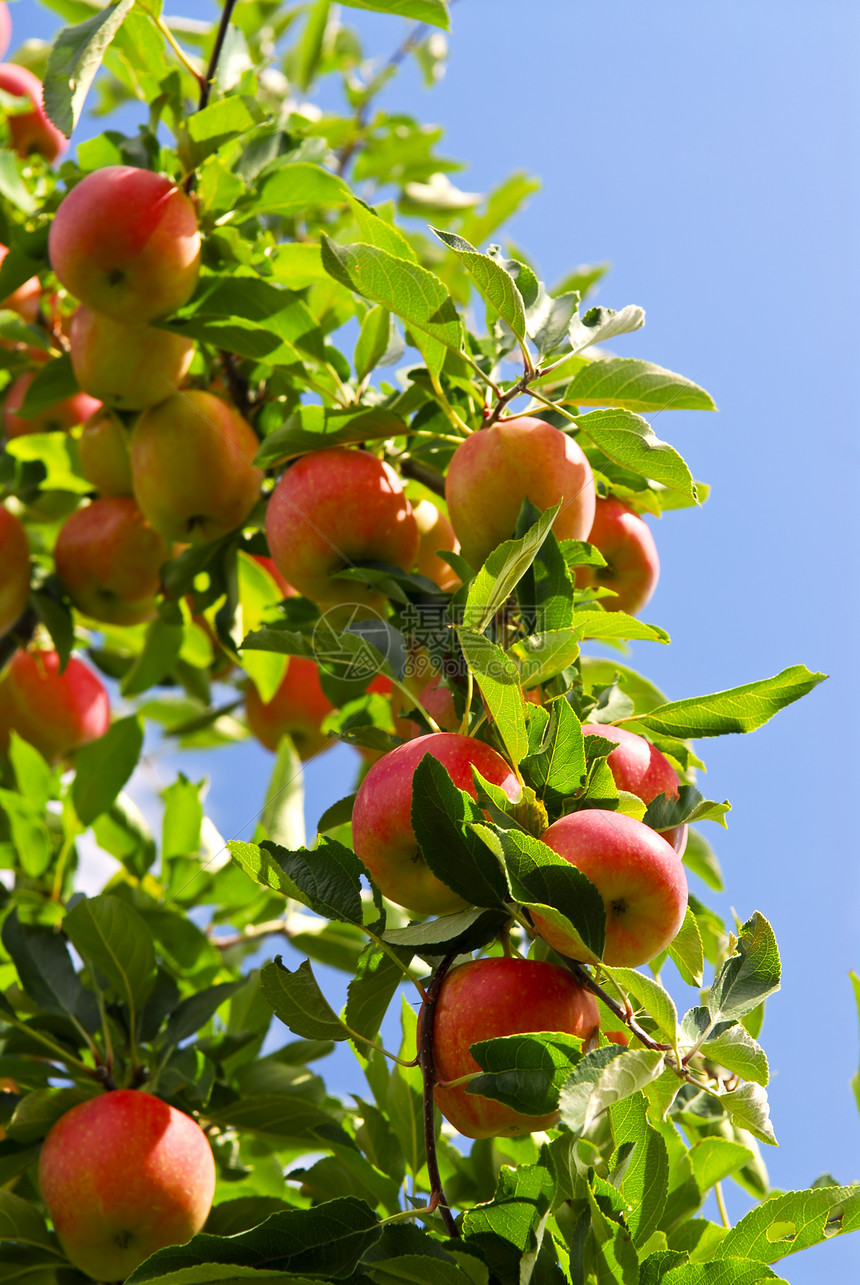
[
  {"x": 495, "y": 469},
  {"x": 297, "y": 709},
  {"x": 637, "y": 873},
  {"x": 58, "y": 418},
  {"x": 638, "y": 767},
  {"x": 487, "y": 998},
  {"x": 14, "y": 570},
  {"x": 5, "y": 29},
  {"x": 435, "y": 533},
  {"x": 382, "y": 831},
  {"x": 633, "y": 564},
  {"x": 123, "y": 1175},
  {"x": 104, "y": 451},
  {"x": 31, "y": 131},
  {"x": 25, "y": 300},
  {"x": 126, "y": 367},
  {"x": 108, "y": 559},
  {"x": 125, "y": 242},
  {"x": 332, "y": 508},
  {"x": 56, "y": 712},
  {"x": 192, "y": 467}
]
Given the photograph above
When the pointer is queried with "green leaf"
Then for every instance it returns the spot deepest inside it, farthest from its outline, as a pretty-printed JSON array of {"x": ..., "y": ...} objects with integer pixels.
[
  {"x": 33, "y": 776},
  {"x": 37, "y": 1112},
  {"x": 297, "y": 1000},
  {"x": 54, "y": 382},
  {"x": 793, "y": 1221},
  {"x": 195, "y": 1011},
  {"x": 434, "y": 12},
  {"x": 603, "y": 1078},
  {"x": 643, "y": 1173},
  {"x": 463, "y": 931},
  {"x": 502, "y": 571},
  {"x": 259, "y": 598},
  {"x": 750, "y": 975},
  {"x": 372, "y": 989},
  {"x": 737, "y": 1051},
  {"x": 21, "y": 1222},
  {"x": 615, "y": 625},
  {"x": 729, "y": 1271},
  {"x": 749, "y": 1108},
  {"x": 103, "y": 766},
  {"x": 556, "y": 767},
  {"x": 494, "y": 284},
  {"x": 44, "y": 964},
  {"x": 12, "y": 186},
  {"x": 714, "y": 1159},
  {"x": 636, "y": 386},
  {"x": 653, "y": 997},
  {"x": 541, "y": 656},
  {"x": 272, "y": 1115},
  {"x": 161, "y": 648},
  {"x": 700, "y": 857},
  {"x": 738, "y": 709},
  {"x": 499, "y": 683},
  {"x": 75, "y": 57},
  {"x": 525, "y": 1072},
  {"x": 599, "y": 324},
  {"x": 283, "y": 815},
  {"x": 326, "y": 878},
  {"x": 522, "y": 1198},
  {"x": 313, "y": 428},
  {"x": 183, "y": 819},
  {"x": 379, "y": 342},
  {"x": 57, "y": 453},
  {"x": 686, "y": 950},
  {"x": 28, "y": 833},
  {"x": 111, "y": 936},
  {"x": 629, "y": 440}
]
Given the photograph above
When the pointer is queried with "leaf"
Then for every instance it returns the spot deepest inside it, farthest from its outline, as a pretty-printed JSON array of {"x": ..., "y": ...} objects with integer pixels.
[
  {"x": 327, "y": 878},
  {"x": 793, "y": 1221},
  {"x": 629, "y": 440},
  {"x": 617, "y": 625},
  {"x": 687, "y": 951},
  {"x": 750, "y": 975},
  {"x": 603, "y": 1078},
  {"x": 556, "y": 768},
  {"x": 700, "y": 857},
  {"x": 749, "y": 1108},
  {"x": 37, "y": 1112},
  {"x": 379, "y": 342},
  {"x": 371, "y": 990},
  {"x": 22, "y": 1223},
  {"x": 54, "y": 382},
  {"x": 541, "y": 656},
  {"x": 653, "y": 997},
  {"x": 738, "y": 709},
  {"x": 502, "y": 571},
  {"x": 12, "y": 186},
  {"x": 314, "y": 428},
  {"x": 75, "y": 57},
  {"x": 434, "y": 12},
  {"x": 499, "y": 683},
  {"x": 643, "y": 1173},
  {"x": 46, "y": 972},
  {"x": 33, "y": 777},
  {"x": 297, "y": 1000},
  {"x": 283, "y": 815},
  {"x": 855, "y": 1079},
  {"x": 737, "y": 1051},
  {"x": 525, "y": 1072},
  {"x": 600, "y": 324},
  {"x": 103, "y": 766},
  {"x": 195, "y": 1011},
  {"x": 494, "y": 284},
  {"x": 463, "y": 931},
  {"x": 161, "y": 648},
  {"x": 259, "y": 599},
  {"x": 714, "y": 1159},
  {"x": 636, "y": 386},
  {"x": 110, "y": 935}
]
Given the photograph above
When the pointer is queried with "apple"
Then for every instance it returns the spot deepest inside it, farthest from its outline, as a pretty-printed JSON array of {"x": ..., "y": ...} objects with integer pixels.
[
  {"x": 637, "y": 873},
  {"x": 332, "y": 508},
  {"x": 638, "y": 767},
  {"x": 283, "y": 584},
  {"x": 14, "y": 570},
  {"x": 297, "y": 709},
  {"x": 58, "y": 418},
  {"x": 487, "y": 998},
  {"x": 126, "y": 367},
  {"x": 438, "y": 702},
  {"x": 25, "y": 300},
  {"x": 435, "y": 535},
  {"x": 108, "y": 559},
  {"x": 496, "y": 468},
  {"x": 104, "y": 452},
  {"x": 123, "y": 1175},
  {"x": 382, "y": 831},
  {"x": 56, "y": 712},
  {"x": 192, "y": 467},
  {"x": 5, "y": 29},
  {"x": 632, "y": 563},
  {"x": 31, "y": 131},
  {"x": 125, "y": 241}
]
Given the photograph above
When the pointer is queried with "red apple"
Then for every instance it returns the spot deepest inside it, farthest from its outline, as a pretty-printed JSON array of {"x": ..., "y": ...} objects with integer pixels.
[
  {"x": 332, "y": 508},
  {"x": 438, "y": 702},
  {"x": 488, "y": 998},
  {"x": 58, "y": 418},
  {"x": 123, "y": 1175},
  {"x": 192, "y": 467},
  {"x": 637, "y": 873},
  {"x": 24, "y": 300},
  {"x": 382, "y": 831},
  {"x": 127, "y": 367},
  {"x": 56, "y": 712},
  {"x": 638, "y": 767},
  {"x": 125, "y": 241},
  {"x": 31, "y": 131},
  {"x": 5, "y": 29},
  {"x": 632, "y": 564},
  {"x": 14, "y": 570},
  {"x": 436, "y": 534},
  {"x": 297, "y": 709},
  {"x": 495, "y": 469},
  {"x": 285, "y": 587},
  {"x": 104, "y": 452},
  {"x": 108, "y": 559}
]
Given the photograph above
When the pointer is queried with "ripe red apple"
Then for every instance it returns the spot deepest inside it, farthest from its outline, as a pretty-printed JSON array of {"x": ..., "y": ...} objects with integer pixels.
[
  {"x": 123, "y": 1175},
  {"x": 495, "y": 469},
  {"x": 5, "y": 29},
  {"x": 638, "y": 767},
  {"x": 125, "y": 241},
  {"x": 632, "y": 563},
  {"x": 382, "y": 831},
  {"x": 14, "y": 570},
  {"x": 56, "y": 712},
  {"x": 332, "y": 508},
  {"x": 31, "y": 131},
  {"x": 104, "y": 452},
  {"x": 127, "y": 367},
  {"x": 24, "y": 300},
  {"x": 192, "y": 467},
  {"x": 438, "y": 702},
  {"x": 58, "y": 418},
  {"x": 637, "y": 873},
  {"x": 108, "y": 559},
  {"x": 297, "y": 709},
  {"x": 488, "y": 998},
  {"x": 435, "y": 534}
]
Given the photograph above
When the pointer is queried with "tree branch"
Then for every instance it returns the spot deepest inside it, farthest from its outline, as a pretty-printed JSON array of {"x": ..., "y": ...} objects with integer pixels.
[{"x": 426, "y": 1023}]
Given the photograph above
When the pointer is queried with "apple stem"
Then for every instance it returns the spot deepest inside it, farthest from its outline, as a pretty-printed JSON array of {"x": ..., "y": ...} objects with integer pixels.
[{"x": 428, "y": 1073}]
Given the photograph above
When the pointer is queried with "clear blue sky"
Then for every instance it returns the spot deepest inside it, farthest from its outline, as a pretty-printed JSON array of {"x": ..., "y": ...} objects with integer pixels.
[{"x": 710, "y": 152}]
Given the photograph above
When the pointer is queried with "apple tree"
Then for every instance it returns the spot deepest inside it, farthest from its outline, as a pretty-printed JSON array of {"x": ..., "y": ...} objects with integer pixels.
[{"x": 297, "y": 447}]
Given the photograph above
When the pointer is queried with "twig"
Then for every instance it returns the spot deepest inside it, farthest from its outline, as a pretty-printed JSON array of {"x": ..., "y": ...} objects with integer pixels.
[
  {"x": 428, "y": 477},
  {"x": 428, "y": 1072},
  {"x": 209, "y": 75},
  {"x": 585, "y": 979}
]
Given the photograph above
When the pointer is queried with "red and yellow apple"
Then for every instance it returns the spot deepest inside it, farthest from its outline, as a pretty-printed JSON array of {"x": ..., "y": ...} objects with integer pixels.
[
  {"x": 123, "y": 1175},
  {"x": 382, "y": 817},
  {"x": 333, "y": 508},
  {"x": 435, "y": 535},
  {"x": 638, "y": 767},
  {"x": 57, "y": 418},
  {"x": 30, "y": 131},
  {"x": 632, "y": 563},
  {"x": 126, "y": 367},
  {"x": 496, "y": 468},
  {"x": 296, "y": 710},
  {"x": 108, "y": 559},
  {"x": 104, "y": 453},
  {"x": 488, "y": 998},
  {"x": 637, "y": 873},
  {"x": 56, "y": 712},
  {"x": 14, "y": 570},
  {"x": 192, "y": 467},
  {"x": 125, "y": 242},
  {"x": 24, "y": 300}
]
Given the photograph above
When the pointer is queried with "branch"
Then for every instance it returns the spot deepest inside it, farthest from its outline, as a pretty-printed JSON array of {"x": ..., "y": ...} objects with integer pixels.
[
  {"x": 428, "y": 1071},
  {"x": 585, "y": 979},
  {"x": 209, "y": 76},
  {"x": 428, "y": 477}
]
